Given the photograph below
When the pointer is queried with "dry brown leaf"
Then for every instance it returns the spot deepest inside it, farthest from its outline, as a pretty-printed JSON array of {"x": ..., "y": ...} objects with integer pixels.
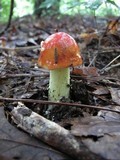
[
  {"x": 115, "y": 94},
  {"x": 88, "y": 37},
  {"x": 100, "y": 135},
  {"x": 94, "y": 126},
  {"x": 15, "y": 144},
  {"x": 112, "y": 26},
  {"x": 90, "y": 73},
  {"x": 101, "y": 90},
  {"x": 107, "y": 146},
  {"x": 110, "y": 116}
]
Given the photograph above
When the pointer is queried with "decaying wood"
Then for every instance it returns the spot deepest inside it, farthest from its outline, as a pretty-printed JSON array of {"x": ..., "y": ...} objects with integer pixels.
[{"x": 51, "y": 133}]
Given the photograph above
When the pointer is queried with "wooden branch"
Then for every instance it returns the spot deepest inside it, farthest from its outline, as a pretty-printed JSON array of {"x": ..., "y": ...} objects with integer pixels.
[
  {"x": 23, "y": 75},
  {"x": 111, "y": 67},
  {"x": 50, "y": 133},
  {"x": 20, "y": 48},
  {"x": 57, "y": 104},
  {"x": 106, "y": 68}
]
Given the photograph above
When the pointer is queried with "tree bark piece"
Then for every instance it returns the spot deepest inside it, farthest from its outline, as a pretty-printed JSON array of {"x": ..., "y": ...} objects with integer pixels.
[{"x": 51, "y": 133}]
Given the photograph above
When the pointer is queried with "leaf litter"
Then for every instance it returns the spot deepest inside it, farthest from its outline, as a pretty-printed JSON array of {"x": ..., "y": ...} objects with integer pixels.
[{"x": 20, "y": 77}]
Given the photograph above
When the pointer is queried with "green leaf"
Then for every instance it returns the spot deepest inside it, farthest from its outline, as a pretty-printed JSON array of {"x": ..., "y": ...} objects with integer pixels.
[{"x": 112, "y": 2}]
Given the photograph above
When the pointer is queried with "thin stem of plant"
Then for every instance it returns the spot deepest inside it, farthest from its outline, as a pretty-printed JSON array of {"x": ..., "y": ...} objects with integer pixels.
[
  {"x": 57, "y": 103},
  {"x": 105, "y": 68},
  {"x": 111, "y": 67}
]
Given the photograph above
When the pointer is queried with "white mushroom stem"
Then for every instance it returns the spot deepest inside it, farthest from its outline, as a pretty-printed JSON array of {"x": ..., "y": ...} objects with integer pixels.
[{"x": 59, "y": 84}]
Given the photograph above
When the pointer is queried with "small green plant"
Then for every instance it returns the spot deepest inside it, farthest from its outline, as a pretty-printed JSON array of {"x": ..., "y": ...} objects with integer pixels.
[
  {"x": 57, "y": 7},
  {"x": 90, "y": 7},
  {"x": 47, "y": 7}
]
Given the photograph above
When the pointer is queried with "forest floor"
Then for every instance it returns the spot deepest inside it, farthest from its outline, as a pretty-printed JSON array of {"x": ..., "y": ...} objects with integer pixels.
[{"x": 95, "y": 86}]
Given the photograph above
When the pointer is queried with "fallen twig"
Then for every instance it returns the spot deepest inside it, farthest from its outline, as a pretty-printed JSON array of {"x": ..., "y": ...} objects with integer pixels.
[
  {"x": 109, "y": 50},
  {"x": 20, "y": 48},
  {"x": 57, "y": 103},
  {"x": 111, "y": 67},
  {"x": 104, "y": 50},
  {"x": 105, "y": 68},
  {"x": 23, "y": 75},
  {"x": 51, "y": 133}
]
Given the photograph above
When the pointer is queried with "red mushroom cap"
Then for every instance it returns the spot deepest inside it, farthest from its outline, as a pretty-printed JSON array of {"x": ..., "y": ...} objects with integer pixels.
[{"x": 59, "y": 50}]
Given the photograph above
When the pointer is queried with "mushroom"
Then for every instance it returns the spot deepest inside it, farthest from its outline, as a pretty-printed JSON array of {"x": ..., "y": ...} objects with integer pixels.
[{"x": 59, "y": 52}]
